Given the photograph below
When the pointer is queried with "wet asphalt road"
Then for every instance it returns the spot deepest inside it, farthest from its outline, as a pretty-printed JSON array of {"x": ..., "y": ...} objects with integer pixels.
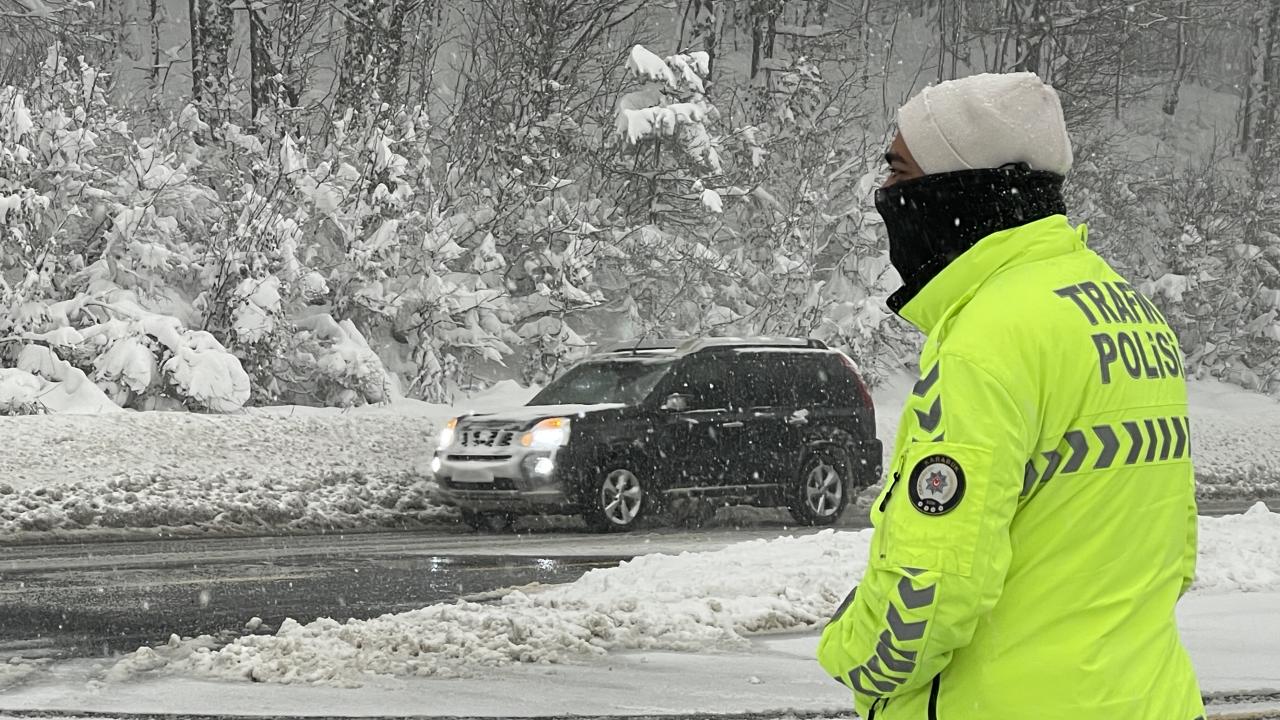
[{"x": 100, "y": 598}]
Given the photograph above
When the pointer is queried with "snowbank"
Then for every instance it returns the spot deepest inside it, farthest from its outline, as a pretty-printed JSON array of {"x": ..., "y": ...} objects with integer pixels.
[
  {"x": 247, "y": 472},
  {"x": 273, "y": 469},
  {"x": 1235, "y": 437},
  {"x": 689, "y": 602},
  {"x": 18, "y": 670}
]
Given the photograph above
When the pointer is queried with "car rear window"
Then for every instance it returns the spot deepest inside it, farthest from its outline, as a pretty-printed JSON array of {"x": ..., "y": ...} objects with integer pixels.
[{"x": 794, "y": 379}]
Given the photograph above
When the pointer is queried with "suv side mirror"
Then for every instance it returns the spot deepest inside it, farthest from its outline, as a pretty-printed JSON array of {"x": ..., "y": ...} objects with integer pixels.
[{"x": 676, "y": 402}]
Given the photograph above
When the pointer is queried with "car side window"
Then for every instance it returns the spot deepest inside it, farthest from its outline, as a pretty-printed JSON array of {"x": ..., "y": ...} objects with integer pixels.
[
  {"x": 707, "y": 381},
  {"x": 842, "y": 390},
  {"x": 812, "y": 382},
  {"x": 763, "y": 379}
]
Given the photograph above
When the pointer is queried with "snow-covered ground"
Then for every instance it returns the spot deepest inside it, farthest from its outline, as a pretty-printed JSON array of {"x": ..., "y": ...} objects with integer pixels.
[
  {"x": 774, "y": 675},
  {"x": 308, "y": 469},
  {"x": 263, "y": 470},
  {"x": 731, "y": 630},
  {"x": 688, "y": 602},
  {"x": 1235, "y": 438}
]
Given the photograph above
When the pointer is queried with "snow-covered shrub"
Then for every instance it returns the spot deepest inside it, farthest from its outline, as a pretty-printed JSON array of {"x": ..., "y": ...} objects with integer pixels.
[
  {"x": 764, "y": 227},
  {"x": 1181, "y": 233},
  {"x": 20, "y": 393},
  {"x": 99, "y": 220}
]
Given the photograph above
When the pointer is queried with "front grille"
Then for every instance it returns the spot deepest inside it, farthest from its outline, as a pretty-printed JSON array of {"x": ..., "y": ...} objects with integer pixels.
[
  {"x": 479, "y": 458},
  {"x": 497, "y": 484},
  {"x": 482, "y": 437}
]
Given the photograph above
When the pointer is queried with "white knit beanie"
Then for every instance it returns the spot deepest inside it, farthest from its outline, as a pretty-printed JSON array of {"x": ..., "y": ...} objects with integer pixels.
[{"x": 985, "y": 121}]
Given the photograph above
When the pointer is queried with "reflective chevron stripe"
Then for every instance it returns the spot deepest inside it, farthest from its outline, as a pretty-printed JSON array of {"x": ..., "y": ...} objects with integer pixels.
[
  {"x": 1147, "y": 441},
  {"x": 927, "y": 382},
  {"x": 930, "y": 420},
  {"x": 1135, "y": 435},
  {"x": 873, "y": 677},
  {"x": 1110, "y": 446},
  {"x": 1079, "y": 448}
]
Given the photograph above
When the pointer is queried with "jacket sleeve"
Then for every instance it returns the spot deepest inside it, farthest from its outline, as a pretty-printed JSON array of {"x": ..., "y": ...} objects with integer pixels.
[{"x": 940, "y": 549}]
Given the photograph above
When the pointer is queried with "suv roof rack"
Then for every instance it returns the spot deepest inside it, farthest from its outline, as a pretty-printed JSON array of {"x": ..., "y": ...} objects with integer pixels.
[
  {"x": 655, "y": 345},
  {"x": 697, "y": 344},
  {"x": 688, "y": 346}
]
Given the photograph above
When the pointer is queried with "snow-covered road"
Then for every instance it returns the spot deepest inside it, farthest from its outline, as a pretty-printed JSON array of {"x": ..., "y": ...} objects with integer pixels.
[
  {"x": 90, "y": 598},
  {"x": 727, "y": 630},
  {"x": 771, "y": 677}
]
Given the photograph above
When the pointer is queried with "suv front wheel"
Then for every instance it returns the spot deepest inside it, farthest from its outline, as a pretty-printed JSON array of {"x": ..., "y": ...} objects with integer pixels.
[
  {"x": 616, "y": 501},
  {"x": 818, "y": 494}
]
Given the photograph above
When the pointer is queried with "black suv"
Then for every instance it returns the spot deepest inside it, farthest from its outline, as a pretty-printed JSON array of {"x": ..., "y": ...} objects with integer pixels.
[{"x": 767, "y": 422}]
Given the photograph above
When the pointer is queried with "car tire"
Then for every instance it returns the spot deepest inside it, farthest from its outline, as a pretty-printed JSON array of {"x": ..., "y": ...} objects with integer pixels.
[
  {"x": 616, "y": 500},
  {"x": 820, "y": 491},
  {"x": 494, "y": 522}
]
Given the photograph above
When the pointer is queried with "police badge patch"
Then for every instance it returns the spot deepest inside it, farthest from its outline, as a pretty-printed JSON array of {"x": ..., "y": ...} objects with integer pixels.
[{"x": 937, "y": 485}]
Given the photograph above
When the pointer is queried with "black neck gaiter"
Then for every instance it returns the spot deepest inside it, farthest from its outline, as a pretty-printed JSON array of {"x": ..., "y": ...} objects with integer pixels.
[{"x": 933, "y": 220}]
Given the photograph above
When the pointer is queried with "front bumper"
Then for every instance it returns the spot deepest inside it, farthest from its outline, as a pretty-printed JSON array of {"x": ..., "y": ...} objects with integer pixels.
[{"x": 502, "y": 480}]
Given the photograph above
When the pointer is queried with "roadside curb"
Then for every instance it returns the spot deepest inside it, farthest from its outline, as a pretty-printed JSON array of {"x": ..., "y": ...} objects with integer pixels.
[{"x": 1268, "y": 708}]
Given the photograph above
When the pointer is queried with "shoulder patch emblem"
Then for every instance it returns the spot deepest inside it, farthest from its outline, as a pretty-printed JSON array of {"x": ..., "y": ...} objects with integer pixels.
[{"x": 937, "y": 485}]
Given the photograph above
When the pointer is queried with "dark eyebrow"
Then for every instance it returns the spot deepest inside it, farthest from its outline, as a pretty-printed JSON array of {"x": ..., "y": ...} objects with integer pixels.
[{"x": 893, "y": 157}]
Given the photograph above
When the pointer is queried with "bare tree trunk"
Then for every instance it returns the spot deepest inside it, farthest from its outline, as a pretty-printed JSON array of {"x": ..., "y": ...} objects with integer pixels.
[
  {"x": 1248, "y": 101},
  {"x": 373, "y": 46},
  {"x": 1268, "y": 97},
  {"x": 261, "y": 69},
  {"x": 1122, "y": 43},
  {"x": 1006, "y": 36},
  {"x": 865, "y": 30},
  {"x": 958, "y": 48},
  {"x": 1032, "y": 55},
  {"x": 1181, "y": 61},
  {"x": 421, "y": 55},
  {"x": 288, "y": 43},
  {"x": 392, "y": 52},
  {"x": 757, "y": 43},
  {"x": 707, "y": 27},
  {"x": 942, "y": 40},
  {"x": 211, "y": 29},
  {"x": 764, "y": 23},
  {"x": 154, "y": 23}
]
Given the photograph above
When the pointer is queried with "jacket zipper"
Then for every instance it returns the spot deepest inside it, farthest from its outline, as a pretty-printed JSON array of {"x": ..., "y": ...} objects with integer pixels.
[
  {"x": 884, "y": 542},
  {"x": 933, "y": 696},
  {"x": 889, "y": 493}
]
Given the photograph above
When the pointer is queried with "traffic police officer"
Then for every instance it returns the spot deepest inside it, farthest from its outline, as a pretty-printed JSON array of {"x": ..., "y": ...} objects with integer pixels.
[{"x": 1038, "y": 523}]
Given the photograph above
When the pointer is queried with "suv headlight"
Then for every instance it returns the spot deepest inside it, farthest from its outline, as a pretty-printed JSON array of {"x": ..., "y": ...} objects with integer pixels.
[
  {"x": 448, "y": 433},
  {"x": 547, "y": 434}
]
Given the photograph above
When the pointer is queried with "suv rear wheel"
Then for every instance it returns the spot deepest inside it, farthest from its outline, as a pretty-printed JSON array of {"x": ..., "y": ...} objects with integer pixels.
[
  {"x": 818, "y": 494},
  {"x": 616, "y": 501}
]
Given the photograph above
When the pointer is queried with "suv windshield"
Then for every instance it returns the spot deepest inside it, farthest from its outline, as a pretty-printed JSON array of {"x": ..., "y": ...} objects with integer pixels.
[{"x": 626, "y": 381}]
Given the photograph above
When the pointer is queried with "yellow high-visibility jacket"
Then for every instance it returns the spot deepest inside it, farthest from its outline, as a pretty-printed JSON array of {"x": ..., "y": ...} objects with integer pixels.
[{"x": 1038, "y": 524}]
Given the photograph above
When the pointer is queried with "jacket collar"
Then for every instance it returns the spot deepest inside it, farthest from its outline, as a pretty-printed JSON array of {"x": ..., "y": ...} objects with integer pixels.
[{"x": 951, "y": 288}]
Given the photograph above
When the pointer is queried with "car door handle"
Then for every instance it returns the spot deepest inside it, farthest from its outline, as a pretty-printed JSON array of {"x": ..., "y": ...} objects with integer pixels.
[{"x": 733, "y": 424}]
